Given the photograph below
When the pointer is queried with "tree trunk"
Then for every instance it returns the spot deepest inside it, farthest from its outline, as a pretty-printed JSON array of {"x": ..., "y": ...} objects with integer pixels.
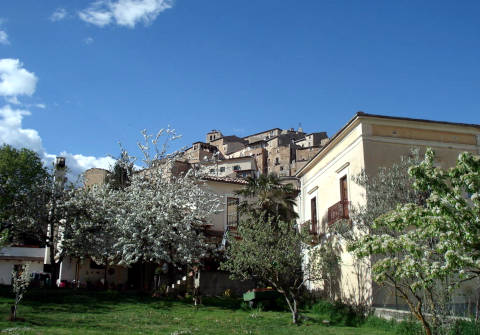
[
  {"x": 13, "y": 312},
  {"x": 426, "y": 326},
  {"x": 105, "y": 286},
  {"x": 54, "y": 268},
  {"x": 293, "y": 307}
]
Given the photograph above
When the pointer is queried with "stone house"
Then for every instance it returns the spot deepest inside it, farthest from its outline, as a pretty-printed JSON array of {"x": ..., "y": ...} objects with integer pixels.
[
  {"x": 240, "y": 167},
  {"x": 275, "y": 150},
  {"x": 368, "y": 142},
  {"x": 200, "y": 151},
  {"x": 228, "y": 144}
]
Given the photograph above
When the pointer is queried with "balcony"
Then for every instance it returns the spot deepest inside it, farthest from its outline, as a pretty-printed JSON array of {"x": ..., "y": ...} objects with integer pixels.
[{"x": 338, "y": 211}]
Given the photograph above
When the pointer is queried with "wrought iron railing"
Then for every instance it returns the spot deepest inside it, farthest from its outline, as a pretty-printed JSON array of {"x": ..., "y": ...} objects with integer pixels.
[{"x": 338, "y": 211}]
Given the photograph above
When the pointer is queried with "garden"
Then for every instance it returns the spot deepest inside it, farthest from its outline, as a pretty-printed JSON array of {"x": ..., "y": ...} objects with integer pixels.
[{"x": 65, "y": 311}]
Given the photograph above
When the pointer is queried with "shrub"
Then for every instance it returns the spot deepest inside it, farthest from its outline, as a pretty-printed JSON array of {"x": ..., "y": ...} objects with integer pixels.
[
  {"x": 462, "y": 327},
  {"x": 338, "y": 313}
]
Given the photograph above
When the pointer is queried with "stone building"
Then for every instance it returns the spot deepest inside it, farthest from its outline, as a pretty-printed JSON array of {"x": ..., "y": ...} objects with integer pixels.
[
  {"x": 95, "y": 176},
  {"x": 200, "y": 151},
  {"x": 274, "y": 150}
]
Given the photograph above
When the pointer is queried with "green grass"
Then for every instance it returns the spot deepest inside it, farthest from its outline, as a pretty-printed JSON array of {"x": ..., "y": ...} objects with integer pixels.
[{"x": 81, "y": 312}]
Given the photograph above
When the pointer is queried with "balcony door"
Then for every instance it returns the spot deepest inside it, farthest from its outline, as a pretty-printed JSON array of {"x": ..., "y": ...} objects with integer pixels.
[
  {"x": 344, "y": 195},
  {"x": 313, "y": 215}
]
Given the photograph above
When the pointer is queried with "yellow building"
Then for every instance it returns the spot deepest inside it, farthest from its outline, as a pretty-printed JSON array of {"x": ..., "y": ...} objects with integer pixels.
[{"x": 369, "y": 142}]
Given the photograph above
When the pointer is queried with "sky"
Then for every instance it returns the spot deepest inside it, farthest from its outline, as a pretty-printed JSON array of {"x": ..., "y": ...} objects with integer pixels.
[{"x": 79, "y": 76}]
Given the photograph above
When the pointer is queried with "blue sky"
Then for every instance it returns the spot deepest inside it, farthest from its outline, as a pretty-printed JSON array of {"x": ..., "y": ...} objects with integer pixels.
[{"x": 92, "y": 73}]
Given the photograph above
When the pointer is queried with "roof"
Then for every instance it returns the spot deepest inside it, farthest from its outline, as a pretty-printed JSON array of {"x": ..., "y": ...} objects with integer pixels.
[
  {"x": 235, "y": 159},
  {"x": 318, "y": 132},
  {"x": 261, "y": 132},
  {"x": 256, "y": 142},
  {"x": 228, "y": 180},
  {"x": 362, "y": 114},
  {"x": 21, "y": 258},
  {"x": 414, "y": 119},
  {"x": 200, "y": 142},
  {"x": 230, "y": 138}
]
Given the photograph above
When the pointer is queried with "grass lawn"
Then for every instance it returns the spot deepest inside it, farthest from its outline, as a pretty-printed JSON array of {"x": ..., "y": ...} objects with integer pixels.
[{"x": 81, "y": 312}]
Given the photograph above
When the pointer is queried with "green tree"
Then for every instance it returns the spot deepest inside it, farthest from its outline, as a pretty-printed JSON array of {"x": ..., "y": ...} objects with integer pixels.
[
  {"x": 21, "y": 171},
  {"x": 121, "y": 172},
  {"x": 269, "y": 195},
  {"x": 271, "y": 248},
  {"x": 272, "y": 251}
]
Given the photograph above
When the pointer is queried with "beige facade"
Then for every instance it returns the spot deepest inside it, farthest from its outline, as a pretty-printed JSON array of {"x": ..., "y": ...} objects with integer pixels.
[
  {"x": 95, "y": 176},
  {"x": 369, "y": 142},
  {"x": 225, "y": 187}
]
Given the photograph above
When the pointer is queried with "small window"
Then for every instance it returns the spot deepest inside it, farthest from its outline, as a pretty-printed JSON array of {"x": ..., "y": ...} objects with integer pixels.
[
  {"x": 222, "y": 169},
  {"x": 281, "y": 168},
  {"x": 236, "y": 167},
  {"x": 277, "y": 161},
  {"x": 232, "y": 212},
  {"x": 212, "y": 170}
]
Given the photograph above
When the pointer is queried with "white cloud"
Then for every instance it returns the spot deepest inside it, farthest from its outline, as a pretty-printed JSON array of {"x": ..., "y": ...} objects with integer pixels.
[
  {"x": 14, "y": 79},
  {"x": 13, "y": 133},
  {"x": 88, "y": 40},
  {"x": 3, "y": 37},
  {"x": 124, "y": 12},
  {"x": 12, "y": 100},
  {"x": 59, "y": 14}
]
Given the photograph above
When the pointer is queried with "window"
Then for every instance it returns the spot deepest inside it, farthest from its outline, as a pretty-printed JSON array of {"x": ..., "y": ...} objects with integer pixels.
[
  {"x": 212, "y": 170},
  {"x": 344, "y": 195},
  {"x": 222, "y": 169},
  {"x": 232, "y": 212},
  {"x": 313, "y": 215},
  {"x": 236, "y": 167},
  {"x": 277, "y": 161},
  {"x": 281, "y": 168}
]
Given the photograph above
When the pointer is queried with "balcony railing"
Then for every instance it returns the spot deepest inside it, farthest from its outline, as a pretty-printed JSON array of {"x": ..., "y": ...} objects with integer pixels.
[{"x": 338, "y": 211}]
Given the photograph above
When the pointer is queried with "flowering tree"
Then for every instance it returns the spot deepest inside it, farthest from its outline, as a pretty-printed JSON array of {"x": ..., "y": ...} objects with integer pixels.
[
  {"x": 20, "y": 283},
  {"x": 384, "y": 190},
  {"x": 155, "y": 215},
  {"x": 435, "y": 245},
  {"x": 90, "y": 230},
  {"x": 163, "y": 211},
  {"x": 38, "y": 214}
]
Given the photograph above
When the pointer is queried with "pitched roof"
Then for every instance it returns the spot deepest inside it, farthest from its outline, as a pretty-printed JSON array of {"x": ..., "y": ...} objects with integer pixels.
[
  {"x": 363, "y": 114},
  {"x": 261, "y": 132},
  {"x": 229, "y": 180}
]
